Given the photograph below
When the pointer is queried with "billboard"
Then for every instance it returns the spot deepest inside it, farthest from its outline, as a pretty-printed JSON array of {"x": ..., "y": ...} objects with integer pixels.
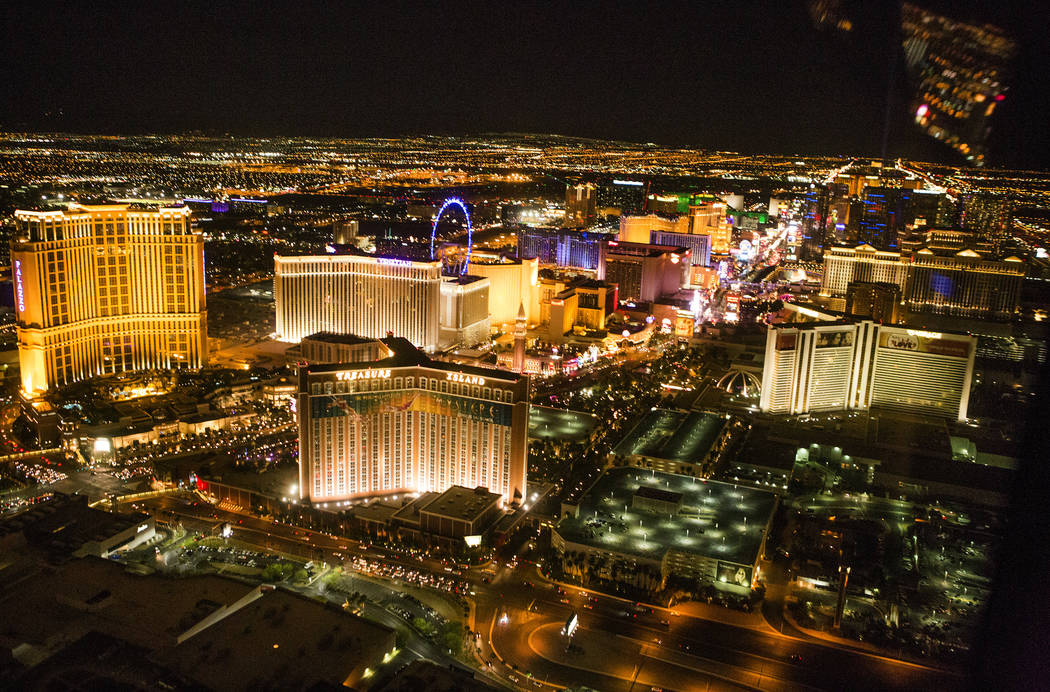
[
  {"x": 833, "y": 339},
  {"x": 368, "y": 403},
  {"x": 786, "y": 340},
  {"x": 684, "y": 325},
  {"x": 925, "y": 342},
  {"x": 704, "y": 277},
  {"x": 737, "y": 575}
]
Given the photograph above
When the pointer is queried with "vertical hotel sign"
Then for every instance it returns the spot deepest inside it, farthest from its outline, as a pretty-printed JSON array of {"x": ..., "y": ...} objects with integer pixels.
[{"x": 20, "y": 295}]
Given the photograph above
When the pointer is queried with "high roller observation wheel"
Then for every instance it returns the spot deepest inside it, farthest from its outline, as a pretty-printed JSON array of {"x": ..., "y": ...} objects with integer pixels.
[{"x": 453, "y": 201}]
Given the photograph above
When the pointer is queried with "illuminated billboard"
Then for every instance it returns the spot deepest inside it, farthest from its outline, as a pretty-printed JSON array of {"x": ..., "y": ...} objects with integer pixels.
[
  {"x": 924, "y": 342},
  {"x": 571, "y": 625},
  {"x": 832, "y": 339},
  {"x": 368, "y": 403},
  {"x": 737, "y": 575},
  {"x": 684, "y": 325}
]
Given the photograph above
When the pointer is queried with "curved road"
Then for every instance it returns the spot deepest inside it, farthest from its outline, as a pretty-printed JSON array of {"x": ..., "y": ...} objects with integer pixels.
[{"x": 634, "y": 652}]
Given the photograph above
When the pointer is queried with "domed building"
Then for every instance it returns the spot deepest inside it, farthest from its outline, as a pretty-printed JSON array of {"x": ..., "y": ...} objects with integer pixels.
[{"x": 740, "y": 383}]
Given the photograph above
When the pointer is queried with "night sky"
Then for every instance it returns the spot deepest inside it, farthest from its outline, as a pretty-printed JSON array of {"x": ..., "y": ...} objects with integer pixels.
[{"x": 751, "y": 77}]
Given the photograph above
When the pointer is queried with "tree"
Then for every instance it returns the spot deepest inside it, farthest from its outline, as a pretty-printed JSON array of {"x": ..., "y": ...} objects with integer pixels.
[
  {"x": 422, "y": 626},
  {"x": 452, "y": 637},
  {"x": 278, "y": 571}
]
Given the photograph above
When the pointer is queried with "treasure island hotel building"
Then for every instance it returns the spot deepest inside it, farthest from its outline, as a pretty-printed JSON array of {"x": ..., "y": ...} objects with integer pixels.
[
  {"x": 104, "y": 289},
  {"x": 389, "y": 419}
]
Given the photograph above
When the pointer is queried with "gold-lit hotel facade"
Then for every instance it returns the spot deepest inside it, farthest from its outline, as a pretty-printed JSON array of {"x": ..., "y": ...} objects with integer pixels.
[
  {"x": 393, "y": 420},
  {"x": 106, "y": 288}
]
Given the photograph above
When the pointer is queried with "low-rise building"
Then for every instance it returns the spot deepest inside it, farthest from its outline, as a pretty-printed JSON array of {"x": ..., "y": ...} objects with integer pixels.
[
  {"x": 453, "y": 520},
  {"x": 66, "y": 526},
  {"x": 674, "y": 442},
  {"x": 647, "y": 526},
  {"x": 197, "y": 632}
]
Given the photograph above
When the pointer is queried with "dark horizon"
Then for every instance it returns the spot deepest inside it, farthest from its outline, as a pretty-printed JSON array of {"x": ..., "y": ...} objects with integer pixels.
[{"x": 753, "y": 79}]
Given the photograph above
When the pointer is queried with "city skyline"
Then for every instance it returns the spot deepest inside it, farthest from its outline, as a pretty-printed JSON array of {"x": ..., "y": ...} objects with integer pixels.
[
  {"x": 531, "y": 347},
  {"x": 529, "y": 377},
  {"x": 327, "y": 73}
]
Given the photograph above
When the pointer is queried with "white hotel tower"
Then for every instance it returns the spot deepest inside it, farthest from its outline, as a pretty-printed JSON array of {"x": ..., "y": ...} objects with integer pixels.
[
  {"x": 356, "y": 293},
  {"x": 836, "y": 365}
]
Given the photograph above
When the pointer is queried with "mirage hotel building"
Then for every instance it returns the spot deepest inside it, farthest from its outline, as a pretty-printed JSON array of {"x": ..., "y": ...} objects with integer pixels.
[{"x": 107, "y": 288}]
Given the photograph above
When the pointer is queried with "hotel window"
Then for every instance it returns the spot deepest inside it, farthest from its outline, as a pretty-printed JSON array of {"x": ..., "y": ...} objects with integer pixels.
[
  {"x": 327, "y": 387},
  {"x": 409, "y": 382}
]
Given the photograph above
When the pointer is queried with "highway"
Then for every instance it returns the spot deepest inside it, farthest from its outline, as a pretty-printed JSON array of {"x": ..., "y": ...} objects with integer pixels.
[
  {"x": 727, "y": 655},
  {"x": 619, "y": 649}
]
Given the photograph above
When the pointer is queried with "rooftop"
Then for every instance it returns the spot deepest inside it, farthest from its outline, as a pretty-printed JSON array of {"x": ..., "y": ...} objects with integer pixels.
[
  {"x": 404, "y": 355},
  {"x": 674, "y": 435},
  {"x": 458, "y": 502},
  {"x": 717, "y": 520},
  {"x": 333, "y": 338},
  {"x": 643, "y": 249},
  {"x": 259, "y": 646},
  {"x": 62, "y": 525},
  {"x": 560, "y": 424},
  {"x": 410, "y": 512}
]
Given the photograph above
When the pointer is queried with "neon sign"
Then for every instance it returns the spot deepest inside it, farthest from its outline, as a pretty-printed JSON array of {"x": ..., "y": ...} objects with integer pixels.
[
  {"x": 466, "y": 379},
  {"x": 362, "y": 375},
  {"x": 926, "y": 335},
  {"x": 18, "y": 286}
]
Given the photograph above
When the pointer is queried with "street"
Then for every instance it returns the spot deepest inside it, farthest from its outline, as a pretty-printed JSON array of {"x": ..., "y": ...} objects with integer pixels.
[{"x": 700, "y": 648}]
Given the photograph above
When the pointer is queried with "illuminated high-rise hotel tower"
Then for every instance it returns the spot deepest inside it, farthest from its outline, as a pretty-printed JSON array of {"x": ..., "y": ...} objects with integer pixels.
[
  {"x": 104, "y": 289},
  {"x": 354, "y": 293},
  {"x": 397, "y": 421}
]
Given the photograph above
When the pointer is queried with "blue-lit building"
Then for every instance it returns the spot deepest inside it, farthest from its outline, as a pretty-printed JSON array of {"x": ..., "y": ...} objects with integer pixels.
[
  {"x": 887, "y": 212},
  {"x": 699, "y": 244},
  {"x": 815, "y": 222},
  {"x": 877, "y": 225},
  {"x": 563, "y": 247}
]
